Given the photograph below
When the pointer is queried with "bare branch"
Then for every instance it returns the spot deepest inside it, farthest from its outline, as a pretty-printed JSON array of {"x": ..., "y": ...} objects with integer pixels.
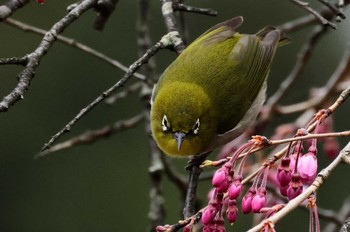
[
  {"x": 104, "y": 9},
  {"x": 318, "y": 100},
  {"x": 156, "y": 168},
  {"x": 337, "y": 11},
  {"x": 307, "y": 7},
  {"x": 17, "y": 61},
  {"x": 302, "y": 22},
  {"x": 34, "y": 58},
  {"x": 120, "y": 95},
  {"x": 170, "y": 21},
  {"x": 9, "y": 7},
  {"x": 74, "y": 43},
  {"x": 94, "y": 135},
  {"x": 182, "y": 7},
  {"x": 164, "y": 42}
]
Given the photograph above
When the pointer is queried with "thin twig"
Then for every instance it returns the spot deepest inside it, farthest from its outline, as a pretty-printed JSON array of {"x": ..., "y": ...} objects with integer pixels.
[
  {"x": 270, "y": 143},
  {"x": 27, "y": 74},
  {"x": 14, "y": 60},
  {"x": 340, "y": 74},
  {"x": 182, "y": 7},
  {"x": 104, "y": 8},
  {"x": 195, "y": 170},
  {"x": 120, "y": 95},
  {"x": 333, "y": 8},
  {"x": 156, "y": 212},
  {"x": 306, "y": 6},
  {"x": 9, "y": 7},
  {"x": 170, "y": 21},
  {"x": 343, "y": 156},
  {"x": 94, "y": 135},
  {"x": 182, "y": 223},
  {"x": 305, "y": 21},
  {"x": 74, "y": 43},
  {"x": 164, "y": 42}
]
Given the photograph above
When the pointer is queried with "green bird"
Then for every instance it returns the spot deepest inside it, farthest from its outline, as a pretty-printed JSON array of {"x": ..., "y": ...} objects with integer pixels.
[{"x": 214, "y": 90}]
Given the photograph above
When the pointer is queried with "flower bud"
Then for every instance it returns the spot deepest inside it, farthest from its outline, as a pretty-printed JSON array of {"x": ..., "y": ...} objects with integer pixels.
[
  {"x": 259, "y": 200},
  {"x": 308, "y": 168},
  {"x": 231, "y": 213},
  {"x": 220, "y": 180},
  {"x": 235, "y": 188},
  {"x": 295, "y": 187},
  {"x": 208, "y": 215},
  {"x": 283, "y": 172},
  {"x": 247, "y": 201}
]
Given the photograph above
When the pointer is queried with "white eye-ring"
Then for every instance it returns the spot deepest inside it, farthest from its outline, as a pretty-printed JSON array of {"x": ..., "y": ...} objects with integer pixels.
[
  {"x": 165, "y": 124},
  {"x": 195, "y": 128}
]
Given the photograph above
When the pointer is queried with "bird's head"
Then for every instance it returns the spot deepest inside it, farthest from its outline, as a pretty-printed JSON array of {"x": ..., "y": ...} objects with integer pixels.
[{"x": 182, "y": 119}]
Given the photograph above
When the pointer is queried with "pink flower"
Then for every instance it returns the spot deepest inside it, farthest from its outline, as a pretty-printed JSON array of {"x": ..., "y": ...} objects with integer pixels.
[
  {"x": 308, "y": 166},
  {"x": 283, "y": 172},
  {"x": 235, "y": 188},
  {"x": 247, "y": 201},
  {"x": 208, "y": 215},
  {"x": 259, "y": 200},
  {"x": 231, "y": 212},
  {"x": 221, "y": 180},
  {"x": 295, "y": 187}
]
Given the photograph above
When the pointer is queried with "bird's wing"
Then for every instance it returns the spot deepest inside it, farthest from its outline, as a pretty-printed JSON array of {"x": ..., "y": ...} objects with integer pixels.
[
  {"x": 247, "y": 120},
  {"x": 219, "y": 32}
]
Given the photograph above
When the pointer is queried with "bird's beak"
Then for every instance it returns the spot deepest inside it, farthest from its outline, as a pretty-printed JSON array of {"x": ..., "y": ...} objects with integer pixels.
[{"x": 179, "y": 137}]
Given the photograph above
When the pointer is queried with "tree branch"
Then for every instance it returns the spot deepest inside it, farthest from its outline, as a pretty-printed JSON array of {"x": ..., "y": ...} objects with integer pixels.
[
  {"x": 306, "y": 6},
  {"x": 170, "y": 21},
  {"x": 104, "y": 9},
  {"x": 34, "y": 58},
  {"x": 164, "y": 42},
  {"x": 94, "y": 135},
  {"x": 9, "y": 7},
  {"x": 73, "y": 43}
]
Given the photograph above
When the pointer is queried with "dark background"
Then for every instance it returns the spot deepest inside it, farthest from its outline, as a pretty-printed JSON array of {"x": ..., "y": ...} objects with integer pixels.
[{"x": 105, "y": 186}]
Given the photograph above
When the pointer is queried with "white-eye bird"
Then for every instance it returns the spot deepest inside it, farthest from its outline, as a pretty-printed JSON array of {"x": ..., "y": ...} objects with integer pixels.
[{"x": 214, "y": 90}]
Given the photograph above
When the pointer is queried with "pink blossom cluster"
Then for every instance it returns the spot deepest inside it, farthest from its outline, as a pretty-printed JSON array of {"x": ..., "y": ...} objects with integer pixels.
[
  {"x": 227, "y": 188},
  {"x": 296, "y": 169}
]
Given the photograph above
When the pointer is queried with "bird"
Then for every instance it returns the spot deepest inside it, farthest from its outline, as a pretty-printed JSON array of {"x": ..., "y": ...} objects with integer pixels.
[{"x": 213, "y": 91}]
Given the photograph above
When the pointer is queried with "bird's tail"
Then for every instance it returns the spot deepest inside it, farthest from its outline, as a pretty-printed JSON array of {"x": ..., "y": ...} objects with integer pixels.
[{"x": 284, "y": 38}]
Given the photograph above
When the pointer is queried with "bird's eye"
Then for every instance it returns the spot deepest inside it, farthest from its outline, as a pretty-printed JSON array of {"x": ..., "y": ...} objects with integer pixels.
[
  {"x": 165, "y": 124},
  {"x": 195, "y": 128}
]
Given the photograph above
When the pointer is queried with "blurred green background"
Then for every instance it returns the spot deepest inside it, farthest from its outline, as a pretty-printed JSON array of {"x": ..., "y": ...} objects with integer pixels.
[{"x": 105, "y": 186}]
